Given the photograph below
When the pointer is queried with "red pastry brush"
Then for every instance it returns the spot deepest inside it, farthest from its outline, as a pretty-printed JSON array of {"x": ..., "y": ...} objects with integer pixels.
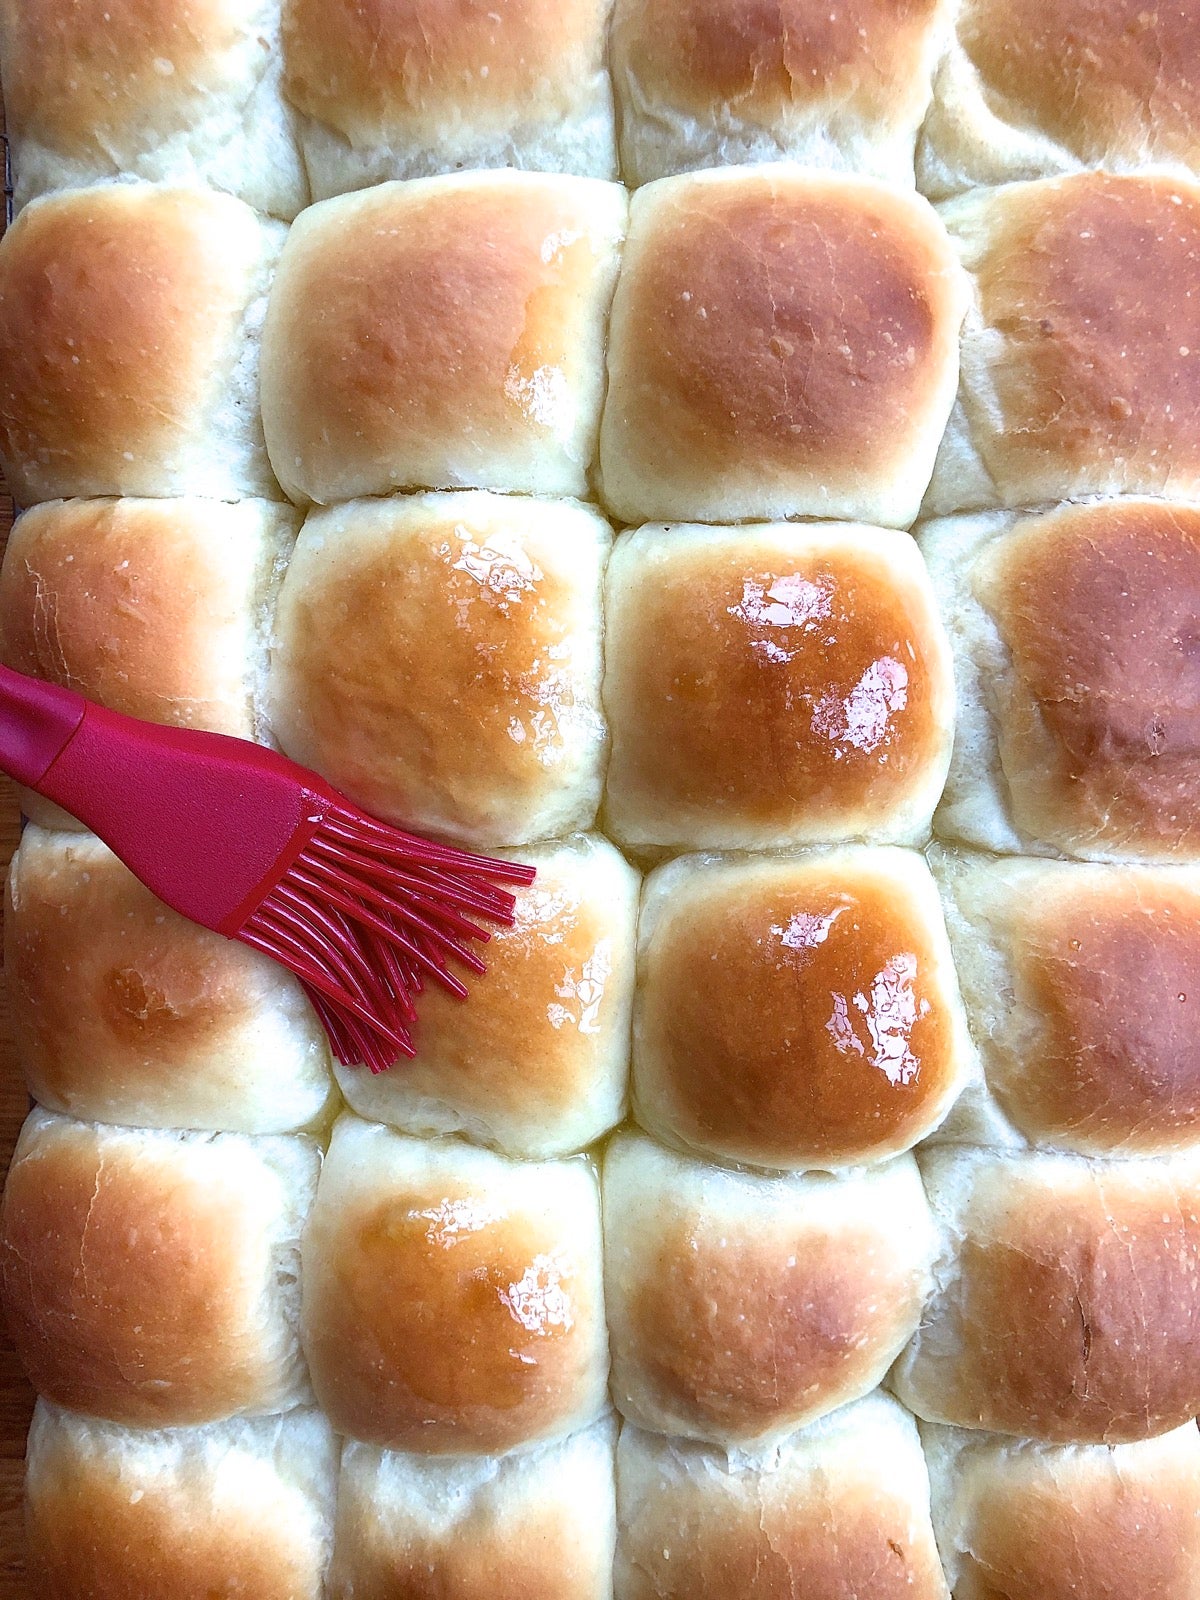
[{"x": 244, "y": 841}]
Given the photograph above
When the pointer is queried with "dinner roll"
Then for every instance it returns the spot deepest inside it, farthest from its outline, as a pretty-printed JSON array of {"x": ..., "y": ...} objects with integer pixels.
[
  {"x": 428, "y": 86},
  {"x": 122, "y": 1011},
  {"x": 99, "y": 89},
  {"x": 439, "y": 658},
  {"x": 1054, "y": 1522},
  {"x": 797, "y": 1012},
  {"x": 151, "y": 1277},
  {"x": 538, "y": 1523},
  {"x": 234, "y": 1508},
  {"x": 452, "y": 1299},
  {"x": 1081, "y": 355},
  {"x": 1079, "y": 705},
  {"x": 158, "y": 608},
  {"x": 774, "y": 686},
  {"x": 129, "y": 321},
  {"x": 1029, "y": 88},
  {"x": 1068, "y": 1296},
  {"x": 742, "y": 1306},
  {"x": 712, "y": 83},
  {"x": 784, "y": 343},
  {"x": 841, "y": 1510},
  {"x": 446, "y": 333},
  {"x": 537, "y": 1064},
  {"x": 1082, "y": 984}
]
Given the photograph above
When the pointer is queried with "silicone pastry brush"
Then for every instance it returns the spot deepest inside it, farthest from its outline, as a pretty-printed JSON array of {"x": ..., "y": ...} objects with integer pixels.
[{"x": 242, "y": 840}]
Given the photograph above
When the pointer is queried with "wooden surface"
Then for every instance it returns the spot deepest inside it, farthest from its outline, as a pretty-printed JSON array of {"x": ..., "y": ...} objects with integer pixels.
[{"x": 16, "y": 1397}]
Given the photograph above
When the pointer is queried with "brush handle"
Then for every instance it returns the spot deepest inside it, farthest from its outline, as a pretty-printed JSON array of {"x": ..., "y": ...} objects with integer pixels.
[
  {"x": 206, "y": 821},
  {"x": 37, "y": 722}
]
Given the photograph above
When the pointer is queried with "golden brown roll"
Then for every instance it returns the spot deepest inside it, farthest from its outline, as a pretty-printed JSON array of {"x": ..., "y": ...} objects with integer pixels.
[
  {"x": 439, "y": 658},
  {"x": 403, "y": 91},
  {"x": 446, "y": 333},
  {"x": 122, "y": 1011},
  {"x": 784, "y": 344},
  {"x": 741, "y": 1306},
  {"x": 97, "y": 89},
  {"x": 537, "y": 1523},
  {"x": 151, "y": 1277},
  {"x": 234, "y": 1508},
  {"x": 129, "y": 320},
  {"x": 1067, "y": 1306},
  {"x": 1081, "y": 354},
  {"x": 773, "y": 686},
  {"x": 1066, "y": 1522},
  {"x": 840, "y": 1510},
  {"x": 1081, "y": 984},
  {"x": 158, "y": 608},
  {"x": 712, "y": 83},
  {"x": 797, "y": 1012},
  {"x": 1079, "y": 704},
  {"x": 453, "y": 1302},
  {"x": 537, "y": 1064},
  {"x": 1029, "y": 88}
]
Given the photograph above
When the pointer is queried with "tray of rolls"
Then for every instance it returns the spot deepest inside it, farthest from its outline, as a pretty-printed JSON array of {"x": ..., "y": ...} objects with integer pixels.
[{"x": 741, "y": 459}]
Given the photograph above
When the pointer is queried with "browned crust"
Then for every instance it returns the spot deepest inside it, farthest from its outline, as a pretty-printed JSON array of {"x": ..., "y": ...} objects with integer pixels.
[
  {"x": 778, "y": 324},
  {"x": 798, "y": 1019},
  {"x": 1100, "y": 729},
  {"x": 836, "y": 657},
  {"x": 371, "y": 67},
  {"x": 115, "y": 306},
  {"x": 1098, "y": 76},
  {"x": 80, "y": 74},
  {"x": 133, "y": 1291},
  {"x": 1088, "y": 283},
  {"x": 761, "y": 59}
]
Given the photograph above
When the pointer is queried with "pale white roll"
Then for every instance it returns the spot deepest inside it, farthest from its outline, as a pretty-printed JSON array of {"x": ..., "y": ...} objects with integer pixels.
[
  {"x": 239, "y": 1507},
  {"x": 839, "y": 1509},
  {"x": 539, "y": 1521},
  {"x": 1066, "y": 1522}
]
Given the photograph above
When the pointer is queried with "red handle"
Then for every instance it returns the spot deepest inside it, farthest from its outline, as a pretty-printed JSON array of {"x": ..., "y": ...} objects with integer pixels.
[
  {"x": 205, "y": 821},
  {"x": 37, "y": 722}
]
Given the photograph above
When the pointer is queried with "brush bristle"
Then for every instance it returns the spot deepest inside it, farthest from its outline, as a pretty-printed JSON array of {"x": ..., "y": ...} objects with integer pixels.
[{"x": 366, "y": 915}]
